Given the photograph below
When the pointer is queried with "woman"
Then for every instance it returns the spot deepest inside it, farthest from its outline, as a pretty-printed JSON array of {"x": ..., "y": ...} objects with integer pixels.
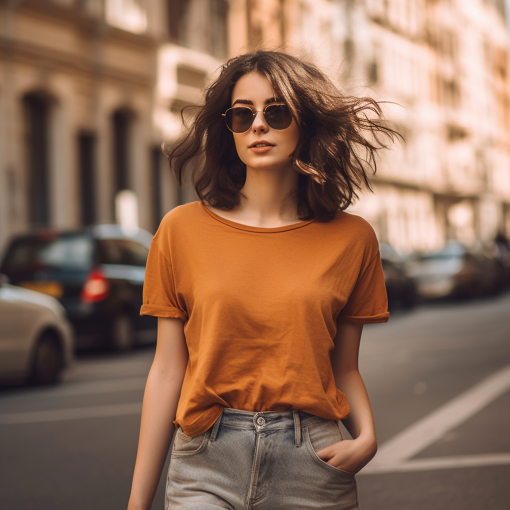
[{"x": 261, "y": 289}]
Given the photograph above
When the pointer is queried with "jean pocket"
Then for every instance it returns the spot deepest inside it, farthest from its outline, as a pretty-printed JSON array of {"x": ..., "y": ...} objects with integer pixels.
[
  {"x": 318, "y": 436},
  {"x": 185, "y": 446}
]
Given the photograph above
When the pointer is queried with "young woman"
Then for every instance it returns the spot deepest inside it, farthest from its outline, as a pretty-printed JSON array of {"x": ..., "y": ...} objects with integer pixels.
[{"x": 262, "y": 288}]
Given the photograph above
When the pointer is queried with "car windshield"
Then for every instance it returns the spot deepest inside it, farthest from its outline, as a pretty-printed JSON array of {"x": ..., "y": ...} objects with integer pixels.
[
  {"x": 122, "y": 252},
  {"x": 63, "y": 252}
]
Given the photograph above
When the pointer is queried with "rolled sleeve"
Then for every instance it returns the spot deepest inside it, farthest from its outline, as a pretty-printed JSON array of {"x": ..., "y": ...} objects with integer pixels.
[
  {"x": 368, "y": 302},
  {"x": 160, "y": 297}
]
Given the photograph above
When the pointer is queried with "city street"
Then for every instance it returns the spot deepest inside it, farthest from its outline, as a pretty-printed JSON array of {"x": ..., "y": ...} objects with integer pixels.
[{"x": 439, "y": 383}]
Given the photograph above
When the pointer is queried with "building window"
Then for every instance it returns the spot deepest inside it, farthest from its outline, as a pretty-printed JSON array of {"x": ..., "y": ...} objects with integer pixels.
[
  {"x": 122, "y": 125},
  {"x": 200, "y": 25},
  {"x": 373, "y": 72},
  {"x": 176, "y": 11},
  {"x": 156, "y": 156},
  {"x": 86, "y": 165},
  {"x": 190, "y": 76},
  {"x": 37, "y": 117},
  {"x": 219, "y": 25},
  {"x": 122, "y": 120}
]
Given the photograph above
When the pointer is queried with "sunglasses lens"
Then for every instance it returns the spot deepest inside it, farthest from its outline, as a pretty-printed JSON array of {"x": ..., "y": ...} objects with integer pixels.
[
  {"x": 239, "y": 119},
  {"x": 278, "y": 116}
]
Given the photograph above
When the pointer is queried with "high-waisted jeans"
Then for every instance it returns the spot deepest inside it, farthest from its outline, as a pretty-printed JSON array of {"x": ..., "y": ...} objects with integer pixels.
[{"x": 259, "y": 460}]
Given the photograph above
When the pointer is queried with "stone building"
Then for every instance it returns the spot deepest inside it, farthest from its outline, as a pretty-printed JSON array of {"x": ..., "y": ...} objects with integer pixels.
[
  {"x": 89, "y": 89},
  {"x": 446, "y": 63},
  {"x": 76, "y": 99}
]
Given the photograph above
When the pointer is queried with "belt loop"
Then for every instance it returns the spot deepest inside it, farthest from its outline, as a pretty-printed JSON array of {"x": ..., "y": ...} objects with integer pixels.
[
  {"x": 297, "y": 427},
  {"x": 215, "y": 428}
]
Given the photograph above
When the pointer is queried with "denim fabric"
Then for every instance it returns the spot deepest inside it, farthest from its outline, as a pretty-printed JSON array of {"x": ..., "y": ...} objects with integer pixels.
[{"x": 264, "y": 461}]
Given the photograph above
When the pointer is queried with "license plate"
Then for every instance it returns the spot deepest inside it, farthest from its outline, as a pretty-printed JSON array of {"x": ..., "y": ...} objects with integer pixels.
[{"x": 51, "y": 288}]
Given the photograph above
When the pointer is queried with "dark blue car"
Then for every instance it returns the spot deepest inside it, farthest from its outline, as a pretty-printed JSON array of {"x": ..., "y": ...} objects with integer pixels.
[{"x": 96, "y": 273}]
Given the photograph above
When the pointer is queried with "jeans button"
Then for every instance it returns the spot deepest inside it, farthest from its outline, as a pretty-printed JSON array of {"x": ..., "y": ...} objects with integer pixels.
[{"x": 261, "y": 420}]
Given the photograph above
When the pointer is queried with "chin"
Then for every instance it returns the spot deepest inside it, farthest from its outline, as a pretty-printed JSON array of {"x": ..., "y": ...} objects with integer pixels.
[{"x": 263, "y": 163}]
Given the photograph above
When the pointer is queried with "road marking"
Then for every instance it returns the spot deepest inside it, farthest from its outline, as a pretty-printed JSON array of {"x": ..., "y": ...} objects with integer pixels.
[
  {"x": 77, "y": 413},
  {"x": 428, "y": 430},
  {"x": 431, "y": 464},
  {"x": 87, "y": 388}
]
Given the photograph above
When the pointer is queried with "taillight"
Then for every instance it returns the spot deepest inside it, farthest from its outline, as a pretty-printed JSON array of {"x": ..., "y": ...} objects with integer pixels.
[{"x": 96, "y": 287}]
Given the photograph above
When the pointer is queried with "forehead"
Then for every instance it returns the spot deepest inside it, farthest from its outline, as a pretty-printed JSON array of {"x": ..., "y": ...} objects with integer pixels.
[{"x": 253, "y": 87}]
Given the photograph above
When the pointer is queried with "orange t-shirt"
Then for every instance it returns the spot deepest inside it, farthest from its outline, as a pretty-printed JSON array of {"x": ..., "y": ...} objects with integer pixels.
[{"x": 260, "y": 307}]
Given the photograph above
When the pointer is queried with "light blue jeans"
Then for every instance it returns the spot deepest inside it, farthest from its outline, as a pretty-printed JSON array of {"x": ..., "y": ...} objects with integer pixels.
[{"x": 264, "y": 461}]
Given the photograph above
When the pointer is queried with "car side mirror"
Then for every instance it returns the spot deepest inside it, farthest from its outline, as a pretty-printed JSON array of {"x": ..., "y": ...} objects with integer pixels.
[{"x": 4, "y": 280}]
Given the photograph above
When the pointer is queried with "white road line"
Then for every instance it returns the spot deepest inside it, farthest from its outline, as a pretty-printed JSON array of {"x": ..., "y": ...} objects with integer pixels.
[
  {"x": 432, "y": 464},
  {"x": 86, "y": 388},
  {"x": 428, "y": 430},
  {"x": 77, "y": 413}
]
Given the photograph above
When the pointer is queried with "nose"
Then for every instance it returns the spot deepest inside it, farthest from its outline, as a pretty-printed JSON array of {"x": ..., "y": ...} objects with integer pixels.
[{"x": 259, "y": 123}]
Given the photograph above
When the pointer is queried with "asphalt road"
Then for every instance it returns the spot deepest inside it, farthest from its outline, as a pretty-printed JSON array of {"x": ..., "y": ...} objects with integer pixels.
[{"x": 439, "y": 383}]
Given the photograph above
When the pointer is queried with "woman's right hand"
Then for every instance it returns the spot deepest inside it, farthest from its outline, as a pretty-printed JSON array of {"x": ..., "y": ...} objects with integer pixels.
[{"x": 164, "y": 384}]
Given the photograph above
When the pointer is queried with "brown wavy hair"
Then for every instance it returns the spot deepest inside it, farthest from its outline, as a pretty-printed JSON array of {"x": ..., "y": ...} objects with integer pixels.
[{"x": 335, "y": 154}]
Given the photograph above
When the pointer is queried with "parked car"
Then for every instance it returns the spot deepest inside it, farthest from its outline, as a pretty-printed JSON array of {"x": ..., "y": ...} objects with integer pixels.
[
  {"x": 96, "y": 273},
  {"x": 456, "y": 271},
  {"x": 36, "y": 339},
  {"x": 400, "y": 288}
]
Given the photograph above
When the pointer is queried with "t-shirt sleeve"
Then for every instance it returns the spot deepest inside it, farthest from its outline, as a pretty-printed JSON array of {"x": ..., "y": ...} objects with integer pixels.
[
  {"x": 160, "y": 296},
  {"x": 368, "y": 302}
]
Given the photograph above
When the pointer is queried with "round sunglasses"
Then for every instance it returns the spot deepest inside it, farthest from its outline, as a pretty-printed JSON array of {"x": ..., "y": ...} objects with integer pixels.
[{"x": 240, "y": 118}]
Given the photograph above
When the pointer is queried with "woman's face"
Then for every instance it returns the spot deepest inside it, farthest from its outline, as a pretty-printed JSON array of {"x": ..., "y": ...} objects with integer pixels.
[{"x": 255, "y": 91}]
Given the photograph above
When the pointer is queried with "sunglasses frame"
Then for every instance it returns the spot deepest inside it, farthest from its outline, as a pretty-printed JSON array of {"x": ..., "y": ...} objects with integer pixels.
[{"x": 254, "y": 113}]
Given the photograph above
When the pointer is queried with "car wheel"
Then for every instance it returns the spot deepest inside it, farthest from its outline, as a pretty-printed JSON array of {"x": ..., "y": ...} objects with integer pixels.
[
  {"x": 122, "y": 335},
  {"x": 47, "y": 363}
]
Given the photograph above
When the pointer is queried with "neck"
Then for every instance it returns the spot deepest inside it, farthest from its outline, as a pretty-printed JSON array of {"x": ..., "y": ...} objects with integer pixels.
[{"x": 267, "y": 192}]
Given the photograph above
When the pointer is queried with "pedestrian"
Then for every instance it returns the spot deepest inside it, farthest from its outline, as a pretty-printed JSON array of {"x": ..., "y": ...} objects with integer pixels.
[{"x": 261, "y": 289}]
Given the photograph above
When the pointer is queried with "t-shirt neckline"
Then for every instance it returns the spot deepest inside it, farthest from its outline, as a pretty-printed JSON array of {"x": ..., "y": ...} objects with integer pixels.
[{"x": 250, "y": 228}]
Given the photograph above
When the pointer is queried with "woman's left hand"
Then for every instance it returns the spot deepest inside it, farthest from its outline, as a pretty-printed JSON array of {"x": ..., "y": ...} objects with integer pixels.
[{"x": 349, "y": 454}]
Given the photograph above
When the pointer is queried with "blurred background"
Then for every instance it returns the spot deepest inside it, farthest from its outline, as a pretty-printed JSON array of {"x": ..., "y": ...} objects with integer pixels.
[{"x": 90, "y": 89}]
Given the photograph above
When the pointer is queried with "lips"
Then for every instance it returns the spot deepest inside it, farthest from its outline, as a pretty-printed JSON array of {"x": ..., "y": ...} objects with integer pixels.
[{"x": 261, "y": 143}]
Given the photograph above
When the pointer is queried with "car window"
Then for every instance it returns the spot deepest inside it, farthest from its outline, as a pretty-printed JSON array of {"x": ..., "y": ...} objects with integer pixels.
[
  {"x": 123, "y": 252},
  {"x": 449, "y": 252},
  {"x": 65, "y": 252}
]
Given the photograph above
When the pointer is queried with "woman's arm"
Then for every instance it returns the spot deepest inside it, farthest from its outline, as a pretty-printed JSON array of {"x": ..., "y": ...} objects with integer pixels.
[
  {"x": 351, "y": 455},
  {"x": 160, "y": 400}
]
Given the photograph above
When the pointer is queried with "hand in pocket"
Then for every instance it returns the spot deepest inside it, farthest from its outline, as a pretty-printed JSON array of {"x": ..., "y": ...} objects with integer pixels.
[{"x": 348, "y": 455}]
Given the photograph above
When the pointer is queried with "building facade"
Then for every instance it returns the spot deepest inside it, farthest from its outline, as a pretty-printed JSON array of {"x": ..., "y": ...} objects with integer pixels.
[
  {"x": 444, "y": 63},
  {"x": 90, "y": 89},
  {"x": 76, "y": 100}
]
